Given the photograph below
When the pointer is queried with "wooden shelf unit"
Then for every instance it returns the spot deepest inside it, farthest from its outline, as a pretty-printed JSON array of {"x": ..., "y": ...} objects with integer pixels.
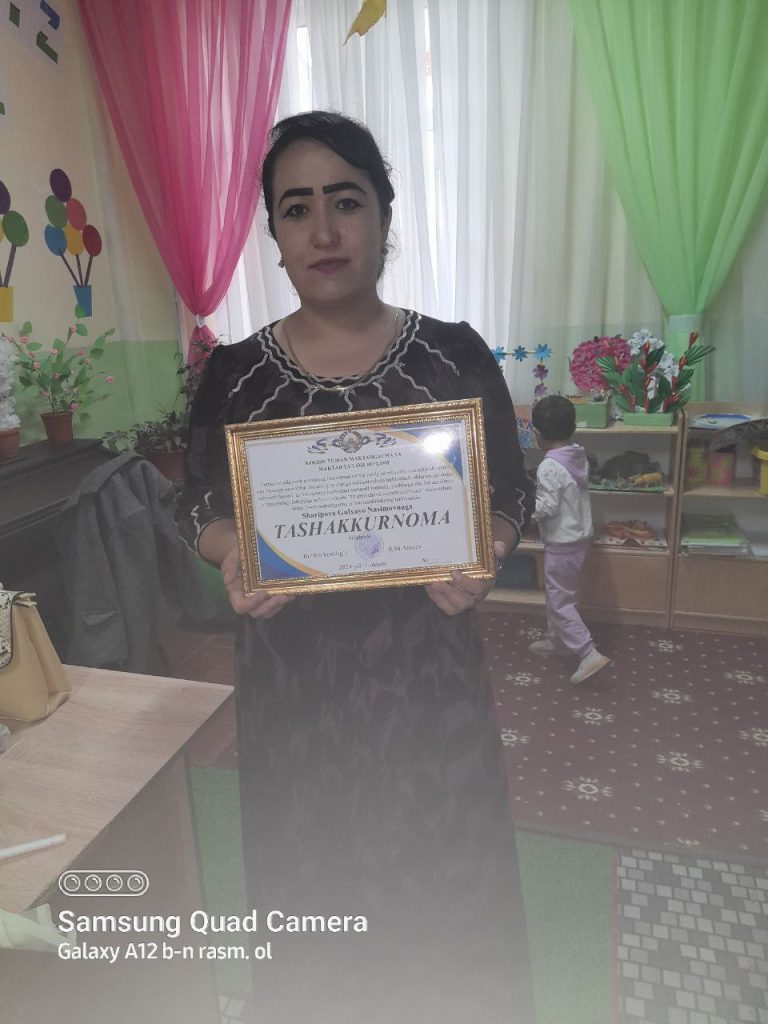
[
  {"x": 621, "y": 584},
  {"x": 740, "y": 489},
  {"x": 716, "y": 592},
  {"x": 668, "y": 587}
]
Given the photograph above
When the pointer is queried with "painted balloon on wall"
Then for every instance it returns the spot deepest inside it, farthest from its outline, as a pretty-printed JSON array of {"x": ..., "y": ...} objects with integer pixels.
[{"x": 68, "y": 234}]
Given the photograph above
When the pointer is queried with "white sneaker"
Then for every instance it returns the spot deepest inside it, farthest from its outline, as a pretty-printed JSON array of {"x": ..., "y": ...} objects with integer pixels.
[
  {"x": 592, "y": 663},
  {"x": 545, "y": 647}
]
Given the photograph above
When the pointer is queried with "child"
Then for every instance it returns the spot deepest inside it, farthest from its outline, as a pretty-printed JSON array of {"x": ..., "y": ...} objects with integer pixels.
[{"x": 564, "y": 516}]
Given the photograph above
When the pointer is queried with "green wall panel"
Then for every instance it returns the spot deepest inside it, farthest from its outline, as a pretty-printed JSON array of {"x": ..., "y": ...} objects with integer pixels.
[{"x": 145, "y": 382}]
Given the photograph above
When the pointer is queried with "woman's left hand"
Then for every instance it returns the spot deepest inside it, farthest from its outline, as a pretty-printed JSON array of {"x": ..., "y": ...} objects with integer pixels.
[{"x": 463, "y": 592}]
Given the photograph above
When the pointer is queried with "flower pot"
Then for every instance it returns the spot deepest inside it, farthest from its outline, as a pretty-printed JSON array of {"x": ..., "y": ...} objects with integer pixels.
[
  {"x": 648, "y": 419},
  {"x": 58, "y": 427},
  {"x": 591, "y": 414},
  {"x": 84, "y": 298},
  {"x": 170, "y": 463},
  {"x": 6, "y": 305},
  {"x": 9, "y": 442}
]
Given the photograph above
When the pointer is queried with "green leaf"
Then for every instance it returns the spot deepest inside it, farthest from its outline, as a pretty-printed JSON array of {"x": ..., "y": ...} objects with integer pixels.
[
  {"x": 612, "y": 378},
  {"x": 58, "y": 345},
  {"x": 81, "y": 329},
  {"x": 25, "y": 381},
  {"x": 79, "y": 312},
  {"x": 84, "y": 417},
  {"x": 697, "y": 352},
  {"x": 622, "y": 403},
  {"x": 26, "y": 328},
  {"x": 97, "y": 353},
  {"x": 33, "y": 346}
]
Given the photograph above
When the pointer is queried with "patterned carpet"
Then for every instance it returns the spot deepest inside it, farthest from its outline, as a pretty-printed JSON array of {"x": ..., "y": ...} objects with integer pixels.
[{"x": 667, "y": 747}]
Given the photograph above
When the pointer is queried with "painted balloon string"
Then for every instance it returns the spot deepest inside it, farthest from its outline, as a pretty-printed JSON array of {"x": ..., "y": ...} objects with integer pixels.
[{"x": 71, "y": 271}]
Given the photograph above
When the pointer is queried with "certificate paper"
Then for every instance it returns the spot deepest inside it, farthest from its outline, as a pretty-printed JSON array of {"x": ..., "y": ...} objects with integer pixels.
[{"x": 366, "y": 499}]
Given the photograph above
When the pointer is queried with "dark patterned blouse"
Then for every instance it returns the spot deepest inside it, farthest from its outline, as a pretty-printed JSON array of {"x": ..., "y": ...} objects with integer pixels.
[{"x": 430, "y": 361}]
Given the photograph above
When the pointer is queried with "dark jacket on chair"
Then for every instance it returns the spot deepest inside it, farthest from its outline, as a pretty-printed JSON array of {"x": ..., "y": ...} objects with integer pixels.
[{"x": 129, "y": 576}]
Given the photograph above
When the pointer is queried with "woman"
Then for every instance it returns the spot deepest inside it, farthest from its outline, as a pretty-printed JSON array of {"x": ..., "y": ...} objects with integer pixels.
[{"x": 371, "y": 777}]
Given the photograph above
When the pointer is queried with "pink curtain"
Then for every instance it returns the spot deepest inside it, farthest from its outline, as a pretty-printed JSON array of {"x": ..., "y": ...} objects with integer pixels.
[{"x": 191, "y": 88}]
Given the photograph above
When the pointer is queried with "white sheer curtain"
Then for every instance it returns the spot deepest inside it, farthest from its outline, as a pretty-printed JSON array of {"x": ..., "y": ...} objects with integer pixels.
[
  {"x": 504, "y": 212},
  {"x": 434, "y": 82}
]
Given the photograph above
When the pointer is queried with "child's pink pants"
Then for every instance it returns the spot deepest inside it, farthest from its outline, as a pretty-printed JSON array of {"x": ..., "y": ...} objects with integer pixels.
[{"x": 562, "y": 571}]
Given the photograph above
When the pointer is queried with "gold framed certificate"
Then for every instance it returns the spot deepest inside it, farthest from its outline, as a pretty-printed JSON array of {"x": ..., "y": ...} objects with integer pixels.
[{"x": 381, "y": 498}]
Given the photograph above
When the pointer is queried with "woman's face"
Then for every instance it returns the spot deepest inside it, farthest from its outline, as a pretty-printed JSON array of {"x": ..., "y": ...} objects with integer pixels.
[{"x": 328, "y": 224}]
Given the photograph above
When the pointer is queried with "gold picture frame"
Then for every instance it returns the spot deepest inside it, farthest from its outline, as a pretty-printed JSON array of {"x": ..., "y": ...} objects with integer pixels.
[{"x": 396, "y": 474}]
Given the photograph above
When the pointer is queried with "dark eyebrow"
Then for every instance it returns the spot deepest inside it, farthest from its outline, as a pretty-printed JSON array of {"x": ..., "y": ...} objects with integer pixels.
[
  {"x": 337, "y": 186},
  {"x": 296, "y": 192},
  {"x": 342, "y": 186}
]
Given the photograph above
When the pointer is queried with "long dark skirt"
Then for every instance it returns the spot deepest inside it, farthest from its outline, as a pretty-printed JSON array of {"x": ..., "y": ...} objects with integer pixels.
[{"x": 372, "y": 786}]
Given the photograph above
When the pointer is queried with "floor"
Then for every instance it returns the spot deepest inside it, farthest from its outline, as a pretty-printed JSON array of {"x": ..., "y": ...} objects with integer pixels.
[{"x": 679, "y": 722}]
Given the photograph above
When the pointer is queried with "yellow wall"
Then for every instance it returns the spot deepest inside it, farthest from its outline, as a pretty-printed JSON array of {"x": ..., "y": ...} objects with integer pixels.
[{"x": 54, "y": 118}]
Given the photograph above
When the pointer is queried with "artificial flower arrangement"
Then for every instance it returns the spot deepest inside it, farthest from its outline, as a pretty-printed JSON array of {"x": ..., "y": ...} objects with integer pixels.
[
  {"x": 653, "y": 380},
  {"x": 10, "y": 423},
  {"x": 8, "y": 418},
  {"x": 585, "y": 372},
  {"x": 65, "y": 376}
]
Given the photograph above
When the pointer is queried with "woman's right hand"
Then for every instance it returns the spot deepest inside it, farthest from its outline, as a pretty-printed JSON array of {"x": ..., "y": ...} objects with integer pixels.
[{"x": 259, "y": 606}]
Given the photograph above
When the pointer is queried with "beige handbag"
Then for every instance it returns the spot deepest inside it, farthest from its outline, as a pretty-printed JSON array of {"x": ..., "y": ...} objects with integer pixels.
[{"x": 32, "y": 680}]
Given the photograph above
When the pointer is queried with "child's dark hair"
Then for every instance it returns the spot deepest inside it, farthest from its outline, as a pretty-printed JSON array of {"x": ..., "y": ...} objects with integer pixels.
[
  {"x": 348, "y": 138},
  {"x": 555, "y": 418}
]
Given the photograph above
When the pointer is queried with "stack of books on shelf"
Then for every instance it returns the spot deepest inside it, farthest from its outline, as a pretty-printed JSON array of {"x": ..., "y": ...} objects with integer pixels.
[{"x": 704, "y": 534}]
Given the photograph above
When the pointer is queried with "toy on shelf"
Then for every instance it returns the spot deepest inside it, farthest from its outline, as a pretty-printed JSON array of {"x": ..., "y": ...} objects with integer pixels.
[
  {"x": 630, "y": 471},
  {"x": 630, "y": 533},
  {"x": 760, "y": 457}
]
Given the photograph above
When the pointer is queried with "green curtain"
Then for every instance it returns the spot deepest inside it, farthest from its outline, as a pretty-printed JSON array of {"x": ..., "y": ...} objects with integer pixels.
[{"x": 681, "y": 93}]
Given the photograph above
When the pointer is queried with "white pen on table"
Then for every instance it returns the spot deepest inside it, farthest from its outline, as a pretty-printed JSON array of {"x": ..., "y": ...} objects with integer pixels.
[{"x": 34, "y": 844}]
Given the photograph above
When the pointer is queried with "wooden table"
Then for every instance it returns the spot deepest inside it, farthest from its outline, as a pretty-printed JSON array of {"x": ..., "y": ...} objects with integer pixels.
[{"x": 108, "y": 769}]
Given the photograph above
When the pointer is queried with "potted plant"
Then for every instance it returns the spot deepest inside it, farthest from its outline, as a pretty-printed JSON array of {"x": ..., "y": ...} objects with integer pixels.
[
  {"x": 162, "y": 441},
  {"x": 654, "y": 385},
  {"x": 592, "y": 403},
  {"x": 65, "y": 377},
  {"x": 10, "y": 424}
]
